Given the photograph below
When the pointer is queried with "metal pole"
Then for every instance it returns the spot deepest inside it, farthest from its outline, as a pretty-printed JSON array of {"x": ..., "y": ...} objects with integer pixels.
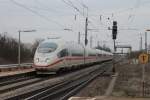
[
  {"x": 84, "y": 51},
  {"x": 79, "y": 35},
  {"x": 98, "y": 43},
  {"x": 114, "y": 57},
  {"x": 141, "y": 47},
  {"x": 19, "y": 50},
  {"x": 86, "y": 24},
  {"x": 91, "y": 40},
  {"x": 114, "y": 46},
  {"x": 143, "y": 80},
  {"x": 146, "y": 42},
  {"x": 84, "y": 54}
]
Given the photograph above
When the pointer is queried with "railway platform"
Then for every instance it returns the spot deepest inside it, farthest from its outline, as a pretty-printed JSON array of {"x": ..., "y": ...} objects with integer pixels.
[
  {"x": 106, "y": 98},
  {"x": 8, "y": 71}
]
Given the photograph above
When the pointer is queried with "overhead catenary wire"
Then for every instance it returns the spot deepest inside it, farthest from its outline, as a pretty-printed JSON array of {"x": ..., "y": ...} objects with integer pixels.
[
  {"x": 95, "y": 28},
  {"x": 130, "y": 17},
  {"x": 48, "y": 9},
  {"x": 84, "y": 6},
  {"x": 36, "y": 13},
  {"x": 45, "y": 8},
  {"x": 137, "y": 5},
  {"x": 108, "y": 19},
  {"x": 69, "y": 3},
  {"x": 90, "y": 19}
]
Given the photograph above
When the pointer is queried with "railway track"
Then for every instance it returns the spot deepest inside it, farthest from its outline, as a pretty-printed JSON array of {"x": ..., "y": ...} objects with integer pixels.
[
  {"x": 6, "y": 80},
  {"x": 67, "y": 89},
  {"x": 11, "y": 81},
  {"x": 60, "y": 88},
  {"x": 11, "y": 87}
]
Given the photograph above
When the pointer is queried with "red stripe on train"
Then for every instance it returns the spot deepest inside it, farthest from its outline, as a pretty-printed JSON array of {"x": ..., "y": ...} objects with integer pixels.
[
  {"x": 56, "y": 62},
  {"x": 65, "y": 58}
]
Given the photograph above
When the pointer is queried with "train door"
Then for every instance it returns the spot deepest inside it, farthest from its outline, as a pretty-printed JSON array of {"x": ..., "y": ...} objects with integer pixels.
[{"x": 63, "y": 55}]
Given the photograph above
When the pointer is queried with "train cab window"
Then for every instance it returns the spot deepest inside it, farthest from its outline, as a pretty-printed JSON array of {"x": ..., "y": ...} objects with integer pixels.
[
  {"x": 63, "y": 53},
  {"x": 47, "y": 47}
]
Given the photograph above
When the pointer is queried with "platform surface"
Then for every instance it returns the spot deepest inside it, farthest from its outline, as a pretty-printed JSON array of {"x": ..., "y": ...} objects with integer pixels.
[
  {"x": 8, "y": 73},
  {"x": 106, "y": 98}
]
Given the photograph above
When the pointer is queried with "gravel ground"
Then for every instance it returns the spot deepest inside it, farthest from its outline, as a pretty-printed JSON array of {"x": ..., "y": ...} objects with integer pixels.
[
  {"x": 95, "y": 88},
  {"x": 129, "y": 82}
]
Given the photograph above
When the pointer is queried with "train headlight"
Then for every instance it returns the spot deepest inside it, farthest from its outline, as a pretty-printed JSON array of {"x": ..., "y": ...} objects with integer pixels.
[
  {"x": 47, "y": 60},
  {"x": 37, "y": 59}
]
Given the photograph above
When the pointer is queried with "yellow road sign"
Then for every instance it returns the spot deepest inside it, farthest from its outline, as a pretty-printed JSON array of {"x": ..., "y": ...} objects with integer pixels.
[{"x": 143, "y": 58}]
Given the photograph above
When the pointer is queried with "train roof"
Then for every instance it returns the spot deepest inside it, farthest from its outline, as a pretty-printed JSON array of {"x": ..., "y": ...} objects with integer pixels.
[{"x": 63, "y": 42}]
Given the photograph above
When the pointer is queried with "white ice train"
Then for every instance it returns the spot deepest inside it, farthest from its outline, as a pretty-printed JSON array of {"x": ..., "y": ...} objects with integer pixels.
[{"x": 54, "y": 56}]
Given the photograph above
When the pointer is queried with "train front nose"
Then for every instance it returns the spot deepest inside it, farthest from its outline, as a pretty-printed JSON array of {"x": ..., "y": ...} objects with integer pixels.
[
  {"x": 42, "y": 66},
  {"x": 44, "y": 53},
  {"x": 40, "y": 61},
  {"x": 45, "y": 56}
]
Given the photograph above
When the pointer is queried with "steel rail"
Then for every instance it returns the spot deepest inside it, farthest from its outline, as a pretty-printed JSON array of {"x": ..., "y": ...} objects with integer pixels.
[
  {"x": 16, "y": 77},
  {"x": 58, "y": 89},
  {"x": 11, "y": 81},
  {"x": 63, "y": 93},
  {"x": 14, "y": 86},
  {"x": 74, "y": 91},
  {"x": 38, "y": 92},
  {"x": 32, "y": 93}
]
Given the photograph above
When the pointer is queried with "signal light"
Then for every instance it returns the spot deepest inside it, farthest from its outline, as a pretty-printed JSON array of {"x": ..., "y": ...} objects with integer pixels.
[{"x": 114, "y": 30}]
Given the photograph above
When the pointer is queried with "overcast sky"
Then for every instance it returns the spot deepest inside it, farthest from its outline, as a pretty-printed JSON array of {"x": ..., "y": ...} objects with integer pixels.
[{"x": 51, "y": 17}]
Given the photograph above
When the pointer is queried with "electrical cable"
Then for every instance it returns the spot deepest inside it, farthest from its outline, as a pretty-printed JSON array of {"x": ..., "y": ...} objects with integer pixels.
[{"x": 36, "y": 13}]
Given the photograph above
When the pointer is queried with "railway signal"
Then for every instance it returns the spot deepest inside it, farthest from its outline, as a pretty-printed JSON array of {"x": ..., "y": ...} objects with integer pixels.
[
  {"x": 114, "y": 36},
  {"x": 114, "y": 30}
]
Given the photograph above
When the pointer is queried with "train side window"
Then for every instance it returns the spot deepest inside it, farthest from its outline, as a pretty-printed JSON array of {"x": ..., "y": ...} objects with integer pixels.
[
  {"x": 77, "y": 54},
  {"x": 63, "y": 53}
]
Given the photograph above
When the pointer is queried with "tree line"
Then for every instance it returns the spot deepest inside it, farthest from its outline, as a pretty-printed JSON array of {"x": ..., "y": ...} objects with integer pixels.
[{"x": 9, "y": 49}]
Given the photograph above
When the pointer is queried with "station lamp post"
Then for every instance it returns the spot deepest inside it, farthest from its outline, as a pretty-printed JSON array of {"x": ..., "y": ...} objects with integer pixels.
[{"x": 19, "y": 43}]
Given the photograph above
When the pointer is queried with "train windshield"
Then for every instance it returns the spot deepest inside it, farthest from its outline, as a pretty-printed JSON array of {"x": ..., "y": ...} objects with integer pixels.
[{"x": 47, "y": 47}]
